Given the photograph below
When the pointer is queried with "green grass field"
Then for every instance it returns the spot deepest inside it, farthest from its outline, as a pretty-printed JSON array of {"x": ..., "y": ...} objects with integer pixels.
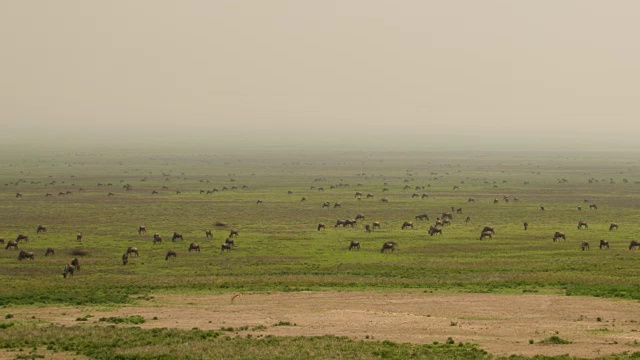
[{"x": 279, "y": 247}]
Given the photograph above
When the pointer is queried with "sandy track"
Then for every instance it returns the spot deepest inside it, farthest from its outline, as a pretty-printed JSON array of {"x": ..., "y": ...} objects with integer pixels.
[{"x": 500, "y": 324}]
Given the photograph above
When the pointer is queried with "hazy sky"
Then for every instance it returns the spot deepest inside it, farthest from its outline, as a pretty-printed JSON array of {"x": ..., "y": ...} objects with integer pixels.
[{"x": 452, "y": 69}]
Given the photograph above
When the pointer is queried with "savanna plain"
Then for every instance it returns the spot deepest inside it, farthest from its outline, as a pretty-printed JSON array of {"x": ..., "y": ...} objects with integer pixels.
[{"x": 289, "y": 289}]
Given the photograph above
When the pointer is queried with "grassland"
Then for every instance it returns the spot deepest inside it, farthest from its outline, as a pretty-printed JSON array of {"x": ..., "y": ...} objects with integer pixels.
[{"x": 279, "y": 247}]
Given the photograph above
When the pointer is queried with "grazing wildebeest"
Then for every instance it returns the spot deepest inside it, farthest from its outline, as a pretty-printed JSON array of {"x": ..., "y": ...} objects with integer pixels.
[
  {"x": 18, "y": 195},
  {"x": 12, "y": 244},
  {"x": 384, "y": 200},
  {"x": 495, "y": 201},
  {"x": 79, "y": 237},
  {"x": 233, "y": 233},
  {"x": 467, "y": 219},
  {"x": 226, "y": 247},
  {"x": 407, "y": 224},
  {"x": 358, "y": 194},
  {"x": 541, "y": 208},
  {"x": 1, "y": 240},
  {"x": 326, "y": 204},
  {"x": 390, "y": 245},
  {"x": 26, "y": 255},
  {"x": 613, "y": 227},
  {"x": 194, "y": 246},
  {"x": 434, "y": 230},
  {"x": 459, "y": 211},
  {"x": 303, "y": 199},
  {"x": 582, "y": 224},
  {"x": 50, "y": 251},
  {"x": 133, "y": 250},
  {"x": 22, "y": 237},
  {"x": 367, "y": 228},
  {"x": 176, "y": 236},
  {"x": 208, "y": 234},
  {"x": 439, "y": 222},
  {"x": 340, "y": 223},
  {"x": 142, "y": 230},
  {"x": 376, "y": 224},
  {"x": 157, "y": 238},
  {"x": 321, "y": 226},
  {"x": 170, "y": 254},
  {"x": 369, "y": 196},
  {"x": 526, "y": 225},
  {"x": 489, "y": 229},
  {"x": 259, "y": 202},
  {"x": 559, "y": 235},
  {"x": 604, "y": 243},
  {"x": 585, "y": 245},
  {"x": 354, "y": 245},
  {"x": 471, "y": 200},
  {"x": 125, "y": 258},
  {"x": 446, "y": 222},
  {"x": 76, "y": 263},
  {"x": 447, "y": 215},
  {"x": 41, "y": 229},
  {"x": 579, "y": 208},
  {"x": 485, "y": 234},
  {"x": 230, "y": 242},
  {"x": 289, "y": 192},
  {"x": 414, "y": 195},
  {"x": 336, "y": 205},
  {"x": 359, "y": 217},
  {"x": 48, "y": 194},
  {"x": 111, "y": 194},
  {"x": 424, "y": 196},
  {"x": 422, "y": 217},
  {"x": 154, "y": 192},
  {"x": 634, "y": 243},
  {"x": 593, "y": 206},
  {"x": 68, "y": 269}
]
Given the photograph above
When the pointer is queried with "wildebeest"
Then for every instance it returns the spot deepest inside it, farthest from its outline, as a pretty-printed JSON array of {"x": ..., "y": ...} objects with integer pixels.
[
  {"x": 157, "y": 238},
  {"x": 414, "y": 195},
  {"x": 321, "y": 226},
  {"x": 369, "y": 196},
  {"x": 233, "y": 233},
  {"x": 389, "y": 245},
  {"x": 68, "y": 269},
  {"x": 358, "y": 194},
  {"x": 384, "y": 200},
  {"x": 579, "y": 208},
  {"x": 22, "y": 237},
  {"x": 585, "y": 245},
  {"x": 541, "y": 208},
  {"x": 326, "y": 204},
  {"x": 170, "y": 254},
  {"x": 471, "y": 200},
  {"x": 230, "y": 242},
  {"x": 613, "y": 227},
  {"x": 176, "y": 236},
  {"x": 76, "y": 263},
  {"x": 459, "y": 211},
  {"x": 526, "y": 225},
  {"x": 111, "y": 194},
  {"x": 125, "y": 258},
  {"x": 336, "y": 205},
  {"x": 489, "y": 229},
  {"x": 582, "y": 224},
  {"x": 359, "y": 217},
  {"x": 26, "y": 255},
  {"x": 18, "y": 195},
  {"x": 422, "y": 217},
  {"x": 11, "y": 244},
  {"x": 259, "y": 201},
  {"x": 593, "y": 206},
  {"x": 407, "y": 224},
  {"x": 439, "y": 222},
  {"x": 303, "y": 199},
  {"x": 1, "y": 240},
  {"x": 154, "y": 192},
  {"x": 633, "y": 244},
  {"x": 467, "y": 219},
  {"x": 79, "y": 237},
  {"x": 495, "y": 201},
  {"x": 142, "y": 230},
  {"x": 485, "y": 234},
  {"x": 354, "y": 245},
  {"x": 447, "y": 215},
  {"x": 226, "y": 247},
  {"x": 41, "y": 229},
  {"x": 434, "y": 230},
  {"x": 50, "y": 251},
  {"x": 604, "y": 243},
  {"x": 559, "y": 235},
  {"x": 376, "y": 224},
  {"x": 367, "y": 228},
  {"x": 133, "y": 250},
  {"x": 424, "y": 196},
  {"x": 194, "y": 247}
]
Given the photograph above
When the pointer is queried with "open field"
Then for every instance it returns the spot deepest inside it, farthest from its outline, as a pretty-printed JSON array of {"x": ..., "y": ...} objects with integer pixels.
[{"x": 279, "y": 249}]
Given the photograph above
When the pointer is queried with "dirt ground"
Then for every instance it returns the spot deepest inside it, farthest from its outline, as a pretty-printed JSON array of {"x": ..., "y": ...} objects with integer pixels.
[{"x": 499, "y": 324}]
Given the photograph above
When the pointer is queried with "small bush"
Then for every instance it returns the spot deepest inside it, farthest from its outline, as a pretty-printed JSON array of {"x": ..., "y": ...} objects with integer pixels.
[
  {"x": 284, "y": 323},
  {"x": 8, "y": 316},
  {"x": 555, "y": 340},
  {"x": 136, "y": 319}
]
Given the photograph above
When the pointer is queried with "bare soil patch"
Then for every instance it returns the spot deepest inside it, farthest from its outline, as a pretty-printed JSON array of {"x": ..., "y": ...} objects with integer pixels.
[{"x": 500, "y": 324}]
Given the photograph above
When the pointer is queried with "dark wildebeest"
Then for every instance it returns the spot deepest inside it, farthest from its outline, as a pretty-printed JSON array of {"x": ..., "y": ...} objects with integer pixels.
[
  {"x": 585, "y": 245},
  {"x": 604, "y": 243},
  {"x": 439, "y": 222},
  {"x": 447, "y": 215},
  {"x": 390, "y": 245},
  {"x": 358, "y": 194},
  {"x": 384, "y": 200},
  {"x": 424, "y": 196},
  {"x": 495, "y": 201},
  {"x": 50, "y": 251},
  {"x": 233, "y": 233},
  {"x": 467, "y": 219},
  {"x": 12, "y": 244},
  {"x": 1, "y": 240},
  {"x": 446, "y": 222},
  {"x": 593, "y": 206},
  {"x": 230, "y": 242},
  {"x": 133, "y": 250},
  {"x": 367, "y": 228},
  {"x": 176, "y": 236},
  {"x": 559, "y": 235},
  {"x": 157, "y": 238},
  {"x": 170, "y": 254},
  {"x": 579, "y": 208},
  {"x": 414, "y": 195},
  {"x": 18, "y": 195},
  {"x": 634, "y": 243},
  {"x": 303, "y": 199},
  {"x": 336, "y": 205},
  {"x": 354, "y": 245},
  {"x": 26, "y": 255},
  {"x": 376, "y": 224},
  {"x": 359, "y": 217},
  {"x": 208, "y": 234},
  {"x": 471, "y": 200},
  {"x": 422, "y": 217},
  {"x": 259, "y": 202},
  {"x": 485, "y": 234},
  {"x": 111, "y": 194},
  {"x": 226, "y": 247},
  {"x": 79, "y": 237},
  {"x": 541, "y": 208},
  {"x": 582, "y": 224},
  {"x": 194, "y": 246},
  {"x": 526, "y": 225},
  {"x": 76, "y": 263},
  {"x": 289, "y": 192},
  {"x": 369, "y": 196},
  {"x": 613, "y": 227},
  {"x": 407, "y": 224},
  {"x": 326, "y": 204},
  {"x": 22, "y": 237},
  {"x": 459, "y": 211},
  {"x": 489, "y": 229},
  {"x": 142, "y": 230},
  {"x": 154, "y": 192},
  {"x": 434, "y": 230},
  {"x": 125, "y": 258},
  {"x": 321, "y": 226},
  {"x": 68, "y": 269},
  {"x": 41, "y": 229},
  {"x": 340, "y": 223}
]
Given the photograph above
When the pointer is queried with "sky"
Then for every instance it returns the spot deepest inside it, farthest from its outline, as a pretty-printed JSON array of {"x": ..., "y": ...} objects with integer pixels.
[{"x": 468, "y": 73}]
